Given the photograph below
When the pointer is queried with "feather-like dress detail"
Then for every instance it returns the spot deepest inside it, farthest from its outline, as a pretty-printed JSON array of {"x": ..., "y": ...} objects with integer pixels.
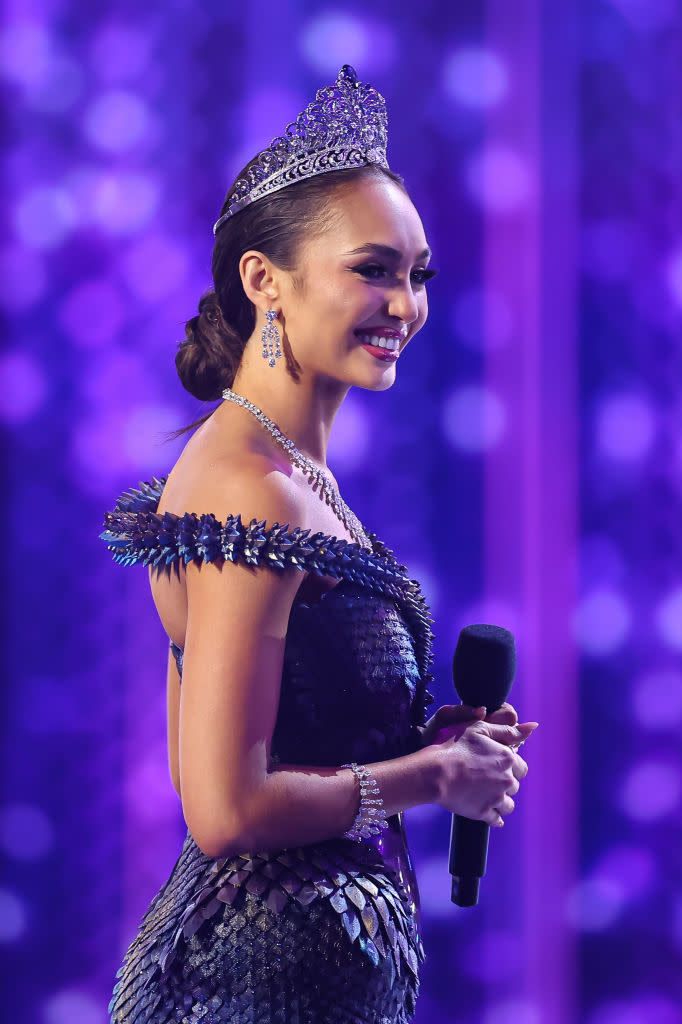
[{"x": 325, "y": 933}]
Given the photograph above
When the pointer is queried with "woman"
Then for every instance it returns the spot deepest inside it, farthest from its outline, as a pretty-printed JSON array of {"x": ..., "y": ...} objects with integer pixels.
[{"x": 299, "y": 649}]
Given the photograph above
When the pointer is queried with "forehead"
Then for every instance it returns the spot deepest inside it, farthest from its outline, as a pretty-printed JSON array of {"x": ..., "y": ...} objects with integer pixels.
[{"x": 372, "y": 211}]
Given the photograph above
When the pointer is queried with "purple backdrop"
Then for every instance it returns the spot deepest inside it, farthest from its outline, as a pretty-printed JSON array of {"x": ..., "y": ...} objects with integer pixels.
[{"x": 536, "y": 420}]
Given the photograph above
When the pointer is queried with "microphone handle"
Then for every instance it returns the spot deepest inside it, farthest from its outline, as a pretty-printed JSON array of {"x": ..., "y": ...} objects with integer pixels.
[
  {"x": 468, "y": 853},
  {"x": 468, "y": 858}
]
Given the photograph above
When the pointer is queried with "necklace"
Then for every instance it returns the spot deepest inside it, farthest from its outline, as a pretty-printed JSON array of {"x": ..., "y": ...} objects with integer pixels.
[{"x": 315, "y": 475}]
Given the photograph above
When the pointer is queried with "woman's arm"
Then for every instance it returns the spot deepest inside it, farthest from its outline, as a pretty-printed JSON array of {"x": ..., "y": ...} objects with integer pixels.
[{"x": 233, "y": 656}]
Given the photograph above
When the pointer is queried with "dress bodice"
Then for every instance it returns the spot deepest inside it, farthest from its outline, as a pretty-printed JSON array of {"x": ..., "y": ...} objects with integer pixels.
[
  {"x": 356, "y": 661},
  {"x": 353, "y": 688}
]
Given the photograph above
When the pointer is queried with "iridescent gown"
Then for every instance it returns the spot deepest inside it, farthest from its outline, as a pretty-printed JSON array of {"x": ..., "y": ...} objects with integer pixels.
[{"x": 325, "y": 933}]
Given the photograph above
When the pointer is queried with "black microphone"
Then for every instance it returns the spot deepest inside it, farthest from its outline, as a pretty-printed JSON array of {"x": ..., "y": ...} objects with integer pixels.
[{"x": 483, "y": 670}]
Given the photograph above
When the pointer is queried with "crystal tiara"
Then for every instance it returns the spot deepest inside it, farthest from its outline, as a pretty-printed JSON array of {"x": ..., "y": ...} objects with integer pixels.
[{"x": 344, "y": 126}]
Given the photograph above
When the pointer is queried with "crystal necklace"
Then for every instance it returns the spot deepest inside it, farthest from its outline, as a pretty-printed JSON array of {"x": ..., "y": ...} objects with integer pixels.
[{"x": 315, "y": 475}]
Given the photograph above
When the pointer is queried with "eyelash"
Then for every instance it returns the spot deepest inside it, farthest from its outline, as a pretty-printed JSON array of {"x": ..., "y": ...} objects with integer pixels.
[{"x": 427, "y": 273}]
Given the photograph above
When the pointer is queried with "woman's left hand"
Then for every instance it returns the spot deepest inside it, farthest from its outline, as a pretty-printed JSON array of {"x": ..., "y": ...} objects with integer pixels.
[{"x": 451, "y": 714}]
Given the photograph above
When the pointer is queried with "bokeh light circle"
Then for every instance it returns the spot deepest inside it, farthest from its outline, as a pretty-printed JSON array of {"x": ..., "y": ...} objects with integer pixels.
[
  {"x": 637, "y": 1008},
  {"x": 148, "y": 791},
  {"x": 25, "y": 50},
  {"x": 13, "y": 917},
  {"x": 632, "y": 868},
  {"x": 44, "y": 217},
  {"x": 474, "y": 419},
  {"x": 25, "y": 831},
  {"x": 625, "y": 427},
  {"x": 674, "y": 276},
  {"x": 475, "y": 77},
  {"x": 118, "y": 201},
  {"x": 61, "y": 85},
  {"x": 602, "y": 621},
  {"x": 22, "y": 277},
  {"x": 124, "y": 201},
  {"x": 594, "y": 904},
  {"x": 499, "y": 179},
  {"x": 652, "y": 790},
  {"x": 668, "y": 616},
  {"x": 657, "y": 699},
  {"x": 512, "y": 1011},
  {"x": 116, "y": 120},
  {"x": 334, "y": 38},
  {"x": 71, "y": 1006},
  {"x": 24, "y": 387}
]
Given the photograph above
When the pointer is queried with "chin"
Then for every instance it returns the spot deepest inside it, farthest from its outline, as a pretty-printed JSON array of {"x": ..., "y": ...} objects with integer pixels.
[{"x": 387, "y": 381}]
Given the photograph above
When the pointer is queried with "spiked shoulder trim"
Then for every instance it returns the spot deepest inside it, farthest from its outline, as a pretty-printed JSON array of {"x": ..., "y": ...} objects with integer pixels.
[{"x": 136, "y": 534}]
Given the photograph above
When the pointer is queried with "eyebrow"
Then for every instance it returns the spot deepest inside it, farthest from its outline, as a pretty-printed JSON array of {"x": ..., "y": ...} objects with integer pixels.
[{"x": 387, "y": 251}]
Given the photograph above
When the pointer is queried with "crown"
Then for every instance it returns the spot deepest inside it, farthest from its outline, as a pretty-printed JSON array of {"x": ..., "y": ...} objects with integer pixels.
[{"x": 344, "y": 126}]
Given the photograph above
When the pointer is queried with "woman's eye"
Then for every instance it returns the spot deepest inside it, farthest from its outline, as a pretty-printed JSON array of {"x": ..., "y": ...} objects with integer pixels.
[
  {"x": 373, "y": 271},
  {"x": 425, "y": 274},
  {"x": 369, "y": 270}
]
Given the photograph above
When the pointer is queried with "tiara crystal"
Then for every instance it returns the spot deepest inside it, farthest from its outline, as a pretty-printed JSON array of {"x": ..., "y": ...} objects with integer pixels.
[{"x": 344, "y": 126}]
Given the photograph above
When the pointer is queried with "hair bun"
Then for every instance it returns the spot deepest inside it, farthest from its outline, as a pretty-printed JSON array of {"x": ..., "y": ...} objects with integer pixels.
[{"x": 208, "y": 357}]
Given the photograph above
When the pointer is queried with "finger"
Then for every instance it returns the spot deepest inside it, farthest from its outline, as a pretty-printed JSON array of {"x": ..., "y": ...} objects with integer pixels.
[
  {"x": 514, "y": 787},
  {"x": 493, "y": 818},
  {"x": 519, "y": 767},
  {"x": 459, "y": 713},
  {"x": 505, "y": 806},
  {"x": 505, "y": 715},
  {"x": 510, "y": 735}
]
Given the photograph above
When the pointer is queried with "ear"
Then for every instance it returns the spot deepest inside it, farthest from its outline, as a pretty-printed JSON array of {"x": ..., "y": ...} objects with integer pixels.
[{"x": 259, "y": 279}]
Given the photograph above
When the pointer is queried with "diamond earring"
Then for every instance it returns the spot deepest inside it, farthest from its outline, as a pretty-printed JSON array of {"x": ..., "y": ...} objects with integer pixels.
[{"x": 270, "y": 336}]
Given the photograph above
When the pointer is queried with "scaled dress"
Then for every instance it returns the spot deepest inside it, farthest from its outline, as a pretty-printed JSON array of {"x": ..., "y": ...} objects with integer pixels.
[{"x": 328, "y": 932}]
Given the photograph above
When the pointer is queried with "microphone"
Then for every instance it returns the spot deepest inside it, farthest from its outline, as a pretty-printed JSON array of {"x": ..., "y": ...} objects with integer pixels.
[{"x": 483, "y": 670}]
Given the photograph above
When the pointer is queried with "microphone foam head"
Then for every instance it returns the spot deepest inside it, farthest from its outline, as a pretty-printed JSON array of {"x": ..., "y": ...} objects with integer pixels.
[{"x": 484, "y": 665}]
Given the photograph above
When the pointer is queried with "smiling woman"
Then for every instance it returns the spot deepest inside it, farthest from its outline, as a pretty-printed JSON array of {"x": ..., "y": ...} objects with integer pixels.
[
  {"x": 300, "y": 242},
  {"x": 300, "y": 650}
]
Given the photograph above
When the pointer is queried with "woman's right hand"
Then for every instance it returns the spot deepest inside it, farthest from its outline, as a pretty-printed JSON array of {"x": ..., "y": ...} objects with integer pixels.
[{"x": 480, "y": 768}]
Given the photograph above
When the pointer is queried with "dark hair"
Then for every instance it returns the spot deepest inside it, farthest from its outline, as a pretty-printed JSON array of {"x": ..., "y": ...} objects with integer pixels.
[{"x": 209, "y": 356}]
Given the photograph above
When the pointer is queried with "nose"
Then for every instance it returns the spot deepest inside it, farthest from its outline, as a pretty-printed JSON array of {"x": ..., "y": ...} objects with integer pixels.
[{"x": 402, "y": 303}]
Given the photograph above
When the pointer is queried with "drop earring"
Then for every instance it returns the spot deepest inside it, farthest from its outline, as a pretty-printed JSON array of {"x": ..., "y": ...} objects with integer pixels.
[{"x": 270, "y": 336}]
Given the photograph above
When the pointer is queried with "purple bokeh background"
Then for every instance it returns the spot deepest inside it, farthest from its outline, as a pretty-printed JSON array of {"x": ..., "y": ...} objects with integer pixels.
[{"x": 536, "y": 423}]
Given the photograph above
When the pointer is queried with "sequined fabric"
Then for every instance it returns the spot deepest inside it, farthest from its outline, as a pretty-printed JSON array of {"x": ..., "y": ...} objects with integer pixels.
[{"x": 327, "y": 932}]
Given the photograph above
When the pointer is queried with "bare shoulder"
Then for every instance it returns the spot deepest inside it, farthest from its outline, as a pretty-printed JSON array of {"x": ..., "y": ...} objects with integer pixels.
[
  {"x": 228, "y": 479},
  {"x": 234, "y": 477}
]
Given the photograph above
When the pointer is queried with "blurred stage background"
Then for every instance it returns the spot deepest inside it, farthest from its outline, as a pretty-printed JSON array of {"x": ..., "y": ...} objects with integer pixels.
[{"x": 526, "y": 466}]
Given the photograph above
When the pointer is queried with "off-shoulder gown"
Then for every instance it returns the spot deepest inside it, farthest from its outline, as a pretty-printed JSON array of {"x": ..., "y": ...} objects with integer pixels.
[{"x": 328, "y": 932}]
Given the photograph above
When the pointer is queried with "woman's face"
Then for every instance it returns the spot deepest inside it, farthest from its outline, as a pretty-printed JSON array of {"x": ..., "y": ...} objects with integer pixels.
[{"x": 362, "y": 282}]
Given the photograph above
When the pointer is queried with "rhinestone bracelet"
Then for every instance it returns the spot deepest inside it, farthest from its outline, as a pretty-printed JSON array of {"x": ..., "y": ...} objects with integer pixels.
[{"x": 370, "y": 819}]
